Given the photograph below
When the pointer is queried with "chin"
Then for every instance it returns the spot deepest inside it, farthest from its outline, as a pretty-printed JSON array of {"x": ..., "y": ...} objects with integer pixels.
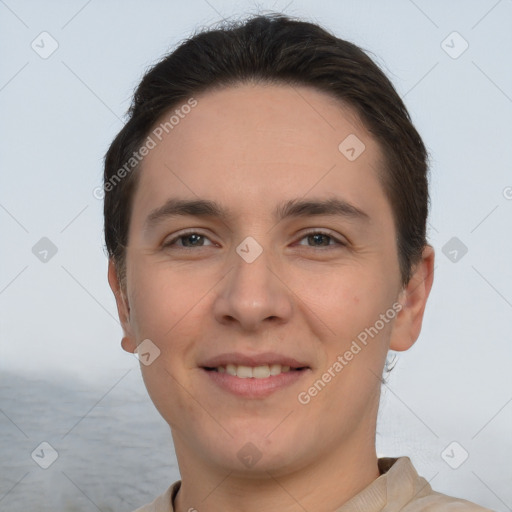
[{"x": 259, "y": 451}]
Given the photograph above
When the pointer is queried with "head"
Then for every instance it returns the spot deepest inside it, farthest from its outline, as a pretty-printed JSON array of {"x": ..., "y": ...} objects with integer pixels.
[{"x": 267, "y": 201}]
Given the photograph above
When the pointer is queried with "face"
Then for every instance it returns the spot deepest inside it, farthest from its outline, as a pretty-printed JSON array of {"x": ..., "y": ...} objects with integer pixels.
[{"x": 262, "y": 266}]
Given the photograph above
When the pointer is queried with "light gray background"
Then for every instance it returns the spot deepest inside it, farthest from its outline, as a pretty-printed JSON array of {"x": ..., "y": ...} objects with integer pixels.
[{"x": 65, "y": 379}]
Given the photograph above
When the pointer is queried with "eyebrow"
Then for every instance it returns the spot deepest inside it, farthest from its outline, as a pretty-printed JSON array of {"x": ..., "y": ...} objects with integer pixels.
[{"x": 206, "y": 208}]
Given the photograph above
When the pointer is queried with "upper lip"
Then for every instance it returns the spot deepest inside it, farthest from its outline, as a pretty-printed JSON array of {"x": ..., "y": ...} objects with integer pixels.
[{"x": 238, "y": 358}]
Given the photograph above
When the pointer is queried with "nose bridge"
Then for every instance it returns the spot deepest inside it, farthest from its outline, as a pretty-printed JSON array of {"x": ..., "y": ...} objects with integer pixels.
[{"x": 251, "y": 292}]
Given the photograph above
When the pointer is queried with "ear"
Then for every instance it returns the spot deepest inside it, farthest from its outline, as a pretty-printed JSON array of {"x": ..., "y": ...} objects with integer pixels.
[
  {"x": 413, "y": 298},
  {"x": 123, "y": 308}
]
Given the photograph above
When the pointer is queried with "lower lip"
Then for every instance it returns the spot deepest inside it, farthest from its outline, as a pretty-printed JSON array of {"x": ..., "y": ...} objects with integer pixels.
[{"x": 255, "y": 388}]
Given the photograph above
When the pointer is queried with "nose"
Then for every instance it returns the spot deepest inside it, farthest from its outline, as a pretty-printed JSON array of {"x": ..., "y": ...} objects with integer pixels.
[{"x": 253, "y": 295}]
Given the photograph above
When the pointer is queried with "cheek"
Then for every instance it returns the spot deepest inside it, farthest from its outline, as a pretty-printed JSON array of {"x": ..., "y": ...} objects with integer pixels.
[
  {"x": 168, "y": 310},
  {"x": 165, "y": 386},
  {"x": 348, "y": 304},
  {"x": 162, "y": 302},
  {"x": 345, "y": 299}
]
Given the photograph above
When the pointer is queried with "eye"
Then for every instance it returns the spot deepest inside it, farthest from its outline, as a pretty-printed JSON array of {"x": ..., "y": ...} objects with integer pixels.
[
  {"x": 189, "y": 239},
  {"x": 321, "y": 239}
]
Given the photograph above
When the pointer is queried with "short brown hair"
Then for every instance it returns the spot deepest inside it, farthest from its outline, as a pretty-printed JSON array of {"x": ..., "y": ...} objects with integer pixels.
[{"x": 276, "y": 49}]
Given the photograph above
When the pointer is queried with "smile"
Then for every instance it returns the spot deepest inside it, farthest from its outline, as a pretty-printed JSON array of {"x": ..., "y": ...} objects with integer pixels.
[{"x": 253, "y": 372}]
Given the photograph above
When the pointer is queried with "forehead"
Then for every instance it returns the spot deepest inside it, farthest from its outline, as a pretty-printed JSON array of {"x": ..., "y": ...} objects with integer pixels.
[
  {"x": 253, "y": 145},
  {"x": 258, "y": 120}
]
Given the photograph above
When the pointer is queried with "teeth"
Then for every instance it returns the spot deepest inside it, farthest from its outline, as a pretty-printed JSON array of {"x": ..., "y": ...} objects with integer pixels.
[
  {"x": 261, "y": 372},
  {"x": 244, "y": 372},
  {"x": 275, "y": 369},
  {"x": 256, "y": 372}
]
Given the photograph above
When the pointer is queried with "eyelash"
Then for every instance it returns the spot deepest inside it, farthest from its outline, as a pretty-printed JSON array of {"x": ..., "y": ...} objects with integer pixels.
[{"x": 171, "y": 243}]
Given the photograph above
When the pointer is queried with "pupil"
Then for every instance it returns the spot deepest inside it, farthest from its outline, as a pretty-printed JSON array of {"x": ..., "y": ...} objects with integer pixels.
[
  {"x": 319, "y": 238},
  {"x": 193, "y": 238}
]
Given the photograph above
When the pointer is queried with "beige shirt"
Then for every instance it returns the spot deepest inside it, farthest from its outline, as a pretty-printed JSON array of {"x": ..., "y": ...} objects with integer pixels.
[{"x": 398, "y": 488}]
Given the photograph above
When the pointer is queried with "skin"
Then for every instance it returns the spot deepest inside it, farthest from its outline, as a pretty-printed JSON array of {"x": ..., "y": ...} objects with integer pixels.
[{"x": 250, "y": 148}]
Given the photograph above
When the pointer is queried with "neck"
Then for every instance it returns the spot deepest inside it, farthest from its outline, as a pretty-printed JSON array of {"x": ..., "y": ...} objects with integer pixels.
[{"x": 323, "y": 486}]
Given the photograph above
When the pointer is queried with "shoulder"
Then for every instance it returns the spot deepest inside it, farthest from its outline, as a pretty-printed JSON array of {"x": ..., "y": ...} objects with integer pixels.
[
  {"x": 435, "y": 501},
  {"x": 416, "y": 494},
  {"x": 164, "y": 502}
]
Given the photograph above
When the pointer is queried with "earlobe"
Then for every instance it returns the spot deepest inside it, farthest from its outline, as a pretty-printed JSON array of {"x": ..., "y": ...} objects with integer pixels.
[
  {"x": 123, "y": 309},
  {"x": 128, "y": 344},
  {"x": 413, "y": 299}
]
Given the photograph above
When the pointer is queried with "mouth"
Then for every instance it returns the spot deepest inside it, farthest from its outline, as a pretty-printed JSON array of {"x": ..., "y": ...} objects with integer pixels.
[
  {"x": 263, "y": 371},
  {"x": 254, "y": 376}
]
